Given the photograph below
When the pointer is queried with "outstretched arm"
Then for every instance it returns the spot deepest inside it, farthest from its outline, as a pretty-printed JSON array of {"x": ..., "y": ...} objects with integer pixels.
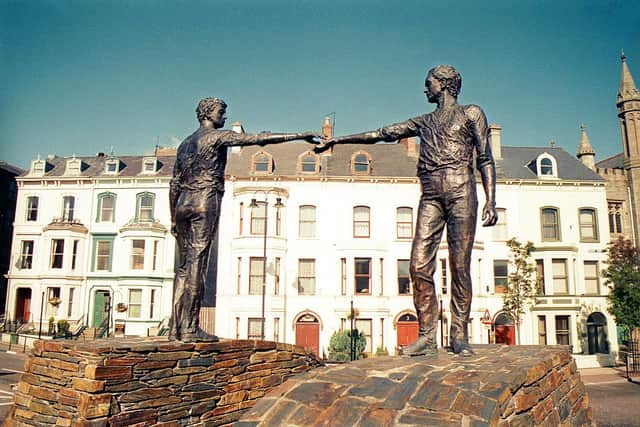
[
  {"x": 388, "y": 133},
  {"x": 264, "y": 138},
  {"x": 484, "y": 163}
]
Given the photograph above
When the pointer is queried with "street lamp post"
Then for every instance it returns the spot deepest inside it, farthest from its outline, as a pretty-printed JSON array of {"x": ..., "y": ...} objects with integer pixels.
[{"x": 253, "y": 205}]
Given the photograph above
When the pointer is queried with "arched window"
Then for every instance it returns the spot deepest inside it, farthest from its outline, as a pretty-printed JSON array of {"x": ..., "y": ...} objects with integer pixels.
[
  {"x": 404, "y": 223},
  {"x": 361, "y": 163},
  {"x": 588, "y": 225},
  {"x": 550, "y": 220},
  {"x": 308, "y": 163},
  {"x": 106, "y": 207},
  {"x": 144, "y": 207},
  {"x": 597, "y": 333},
  {"x": 546, "y": 166},
  {"x": 361, "y": 221},
  {"x": 262, "y": 163}
]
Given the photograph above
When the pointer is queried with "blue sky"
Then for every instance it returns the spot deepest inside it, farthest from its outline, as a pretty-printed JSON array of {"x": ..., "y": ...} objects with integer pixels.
[{"x": 79, "y": 77}]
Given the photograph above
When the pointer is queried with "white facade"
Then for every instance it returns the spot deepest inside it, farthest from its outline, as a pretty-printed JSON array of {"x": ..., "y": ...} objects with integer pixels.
[
  {"x": 93, "y": 256},
  {"x": 334, "y": 250}
]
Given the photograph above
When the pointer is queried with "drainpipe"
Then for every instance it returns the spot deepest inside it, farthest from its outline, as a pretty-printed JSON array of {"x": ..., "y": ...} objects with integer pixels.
[{"x": 631, "y": 208}]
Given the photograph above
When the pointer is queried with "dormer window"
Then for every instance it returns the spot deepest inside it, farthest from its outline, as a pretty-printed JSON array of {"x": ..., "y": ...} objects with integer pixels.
[
  {"x": 74, "y": 167},
  {"x": 546, "y": 166},
  {"x": 39, "y": 167},
  {"x": 112, "y": 166},
  {"x": 149, "y": 165},
  {"x": 361, "y": 163},
  {"x": 262, "y": 163},
  {"x": 308, "y": 163}
]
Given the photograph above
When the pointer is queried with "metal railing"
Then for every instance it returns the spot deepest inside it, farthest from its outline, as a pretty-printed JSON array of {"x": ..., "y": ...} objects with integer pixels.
[{"x": 632, "y": 359}]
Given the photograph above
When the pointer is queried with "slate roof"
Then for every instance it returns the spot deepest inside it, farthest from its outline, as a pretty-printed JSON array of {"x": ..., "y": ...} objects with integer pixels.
[
  {"x": 613, "y": 162},
  {"x": 392, "y": 160},
  {"x": 515, "y": 161},
  {"x": 130, "y": 166},
  {"x": 11, "y": 169}
]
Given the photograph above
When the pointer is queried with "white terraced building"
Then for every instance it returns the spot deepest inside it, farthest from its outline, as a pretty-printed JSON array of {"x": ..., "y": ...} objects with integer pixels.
[
  {"x": 92, "y": 243},
  {"x": 339, "y": 228}
]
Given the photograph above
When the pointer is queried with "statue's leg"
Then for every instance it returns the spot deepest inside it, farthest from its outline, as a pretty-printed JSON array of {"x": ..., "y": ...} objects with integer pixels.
[
  {"x": 204, "y": 224},
  {"x": 429, "y": 226},
  {"x": 177, "y": 324},
  {"x": 462, "y": 206}
]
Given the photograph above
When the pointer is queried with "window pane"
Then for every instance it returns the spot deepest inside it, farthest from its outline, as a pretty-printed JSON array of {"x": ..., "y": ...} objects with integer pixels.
[
  {"x": 137, "y": 255},
  {"x": 255, "y": 275},
  {"x": 362, "y": 275},
  {"x": 404, "y": 282},
  {"x": 135, "y": 303},
  {"x": 364, "y": 327},
  {"x": 258, "y": 217},
  {"x": 146, "y": 208},
  {"x": 591, "y": 277},
  {"x": 57, "y": 253},
  {"x": 103, "y": 253},
  {"x": 306, "y": 277},
  {"x": 550, "y": 224},
  {"x": 68, "y": 208},
  {"x": 26, "y": 255},
  {"x": 307, "y": 225},
  {"x": 106, "y": 208},
  {"x": 255, "y": 329},
  {"x": 309, "y": 163},
  {"x": 32, "y": 208},
  {"x": 560, "y": 283},
  {"x": 587, "y": 224},
  {"x": 361, "y": 213},
  {"x": 500, "y": 274},
  {"x": 404, "y": 219}
]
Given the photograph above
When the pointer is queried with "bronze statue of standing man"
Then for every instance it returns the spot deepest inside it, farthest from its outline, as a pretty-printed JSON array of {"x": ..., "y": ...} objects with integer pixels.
[
  {"x": 195, "y": 196},
  {"x": 448, "y": 138}
]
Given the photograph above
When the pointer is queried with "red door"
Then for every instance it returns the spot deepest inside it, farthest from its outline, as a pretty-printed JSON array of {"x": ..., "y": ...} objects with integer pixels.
[
  {"x": 23, "y": 305},
  {"x": 308, "y": 336},
  {"x": 505, "y": 334},
  {"x": 407, "y": 333}
]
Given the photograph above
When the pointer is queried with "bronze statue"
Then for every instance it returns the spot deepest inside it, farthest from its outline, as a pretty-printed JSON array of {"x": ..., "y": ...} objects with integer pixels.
[
  {"x": 448, "y": 137},
  {"x": 195, "y": 195}
]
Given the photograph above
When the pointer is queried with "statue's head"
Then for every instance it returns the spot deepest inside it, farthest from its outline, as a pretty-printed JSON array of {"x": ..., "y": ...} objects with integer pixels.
[
  {"x": 212, "y": 109},
  {"x": 448, "y": 78}
]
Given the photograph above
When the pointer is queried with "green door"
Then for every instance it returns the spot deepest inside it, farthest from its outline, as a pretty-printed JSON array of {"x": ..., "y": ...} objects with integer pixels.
[{"x": 99, "y": 308}]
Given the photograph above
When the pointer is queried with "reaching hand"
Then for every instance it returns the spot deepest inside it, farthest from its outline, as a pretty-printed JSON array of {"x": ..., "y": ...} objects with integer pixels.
[
  {"x": 489, "y": 214},
  {"x": 325, "y": 145},
  {"x": 312, "y": 137}
]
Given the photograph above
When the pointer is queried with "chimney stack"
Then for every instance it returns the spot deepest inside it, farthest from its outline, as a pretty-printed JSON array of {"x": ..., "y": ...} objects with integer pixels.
[
  {"x": 410, "y": 145},
  {"x": 495, "y": 133},
  {"x": 327, "y": 128}
]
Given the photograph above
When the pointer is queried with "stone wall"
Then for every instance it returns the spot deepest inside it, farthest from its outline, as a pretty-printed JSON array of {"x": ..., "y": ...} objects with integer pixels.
[
  {"x": 500, "y": 386},
  {"x": 149, "y": 381}
]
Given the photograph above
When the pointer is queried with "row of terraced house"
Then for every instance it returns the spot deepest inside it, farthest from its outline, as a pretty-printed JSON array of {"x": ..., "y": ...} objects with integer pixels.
[{"x": 307, "y": 239}]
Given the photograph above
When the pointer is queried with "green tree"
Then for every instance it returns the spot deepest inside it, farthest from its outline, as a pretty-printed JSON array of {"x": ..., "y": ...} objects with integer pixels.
[
  {"x": 623, "y": 279},
  {"x": 521, "y": 283},
  {"x": 340, "y": 345}
]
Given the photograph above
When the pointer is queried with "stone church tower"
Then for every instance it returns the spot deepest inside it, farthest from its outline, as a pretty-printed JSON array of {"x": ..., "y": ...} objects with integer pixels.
[{"x": 628, "y": 102}]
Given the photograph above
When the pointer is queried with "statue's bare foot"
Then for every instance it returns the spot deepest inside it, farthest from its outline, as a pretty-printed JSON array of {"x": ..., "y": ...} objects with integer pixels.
[{"x": 423, "y": 346}]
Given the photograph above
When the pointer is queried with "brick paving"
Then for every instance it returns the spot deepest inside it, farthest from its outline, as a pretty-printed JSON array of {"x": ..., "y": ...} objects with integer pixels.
[{"x": 500, "y": 385}]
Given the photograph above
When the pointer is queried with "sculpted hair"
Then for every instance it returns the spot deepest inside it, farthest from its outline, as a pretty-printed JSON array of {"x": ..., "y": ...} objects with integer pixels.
[
  {"x": 449, "y": 77},
  {"x": 206, "y": 107}
]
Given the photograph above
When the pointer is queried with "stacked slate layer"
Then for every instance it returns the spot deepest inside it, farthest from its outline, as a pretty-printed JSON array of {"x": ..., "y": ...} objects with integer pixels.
[
  {"x": 499, "y": 386},
  {"x": 149, "y": 381}
]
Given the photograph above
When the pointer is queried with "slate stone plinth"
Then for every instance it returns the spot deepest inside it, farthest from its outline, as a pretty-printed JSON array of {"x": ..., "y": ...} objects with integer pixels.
[
  {"x": 149, "y": 381},
  {"x": 499, "y": 386}
]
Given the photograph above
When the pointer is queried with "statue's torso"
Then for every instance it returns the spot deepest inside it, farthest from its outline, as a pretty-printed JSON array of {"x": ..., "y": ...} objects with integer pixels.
[
  {"x": 202, "y": 159},
  {"x": 446, "y": 140}
]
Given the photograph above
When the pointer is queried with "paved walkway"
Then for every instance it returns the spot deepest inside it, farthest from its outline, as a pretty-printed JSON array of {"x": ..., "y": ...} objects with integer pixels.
[{"x": 603, "y": 375}]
